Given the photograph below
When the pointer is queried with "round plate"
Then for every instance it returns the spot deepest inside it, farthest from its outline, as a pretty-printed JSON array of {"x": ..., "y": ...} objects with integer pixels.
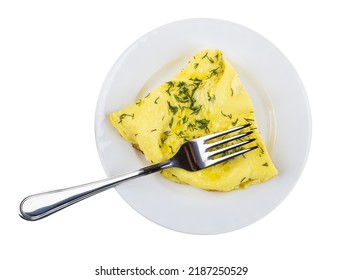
[{"x": 281, "y": 107}]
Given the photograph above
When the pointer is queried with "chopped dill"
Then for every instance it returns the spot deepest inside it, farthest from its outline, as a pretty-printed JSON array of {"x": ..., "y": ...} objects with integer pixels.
[
  {"x": 248, "y": 120},
  {"x": 261, "y": 149},
  {"x": 171, "y": 123},
  {"x": 172, "y": 108},
  {"x": 213, "y": 72},
  {"x": 191, "y": 126},
  {"x": 171, "y": 85},
  {"x": 195, "y": 110},
  {"x": 171, "y": 149},
  {"x": 228, "y": 116},
  {"x": 123, "y": 116},
  {"x": 166, "y": 134},
  {"x": 182, "y": 135},
  {"x": 181, "y": 84},
  {"x": 203, "y": 124},
  {"x": 234, "y": 123},
  {"x": 196, "y": 83},
  {"x": 211, "y": 98},
  {"x": 209, "y": 58}
]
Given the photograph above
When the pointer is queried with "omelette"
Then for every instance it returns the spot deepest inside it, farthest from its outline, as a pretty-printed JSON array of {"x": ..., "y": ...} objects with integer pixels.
[{"x": 205, "y": 97}]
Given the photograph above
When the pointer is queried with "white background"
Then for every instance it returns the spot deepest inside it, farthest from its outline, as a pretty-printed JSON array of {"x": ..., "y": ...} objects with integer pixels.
[{"x": 54, "y": 57}]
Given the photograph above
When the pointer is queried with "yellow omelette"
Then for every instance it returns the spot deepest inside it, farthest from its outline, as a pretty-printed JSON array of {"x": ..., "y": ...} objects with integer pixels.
[{"x": 207, "y": 96}]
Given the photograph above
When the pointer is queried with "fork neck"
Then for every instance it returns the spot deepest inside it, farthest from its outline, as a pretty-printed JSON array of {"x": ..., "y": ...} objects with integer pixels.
[{"x": 156, "y": 167}]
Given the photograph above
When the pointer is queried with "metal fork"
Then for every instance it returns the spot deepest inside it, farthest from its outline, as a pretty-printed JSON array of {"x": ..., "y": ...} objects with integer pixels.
[{"x": 193, "y": 155}]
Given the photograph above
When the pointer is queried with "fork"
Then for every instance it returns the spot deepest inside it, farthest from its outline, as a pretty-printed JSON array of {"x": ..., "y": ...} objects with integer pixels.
[{"x": 193, "y": 155}]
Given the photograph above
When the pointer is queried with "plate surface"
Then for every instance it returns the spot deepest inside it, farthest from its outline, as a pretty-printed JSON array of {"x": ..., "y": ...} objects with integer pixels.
[{"x": 281, "y": 108}]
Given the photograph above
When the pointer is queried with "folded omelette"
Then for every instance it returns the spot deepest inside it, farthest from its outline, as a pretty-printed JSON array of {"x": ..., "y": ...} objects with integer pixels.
[{"x": 207, "y": 96}]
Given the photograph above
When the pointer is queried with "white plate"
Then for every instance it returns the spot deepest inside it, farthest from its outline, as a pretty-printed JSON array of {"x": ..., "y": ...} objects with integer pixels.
[{"x": 282, "y": 112}]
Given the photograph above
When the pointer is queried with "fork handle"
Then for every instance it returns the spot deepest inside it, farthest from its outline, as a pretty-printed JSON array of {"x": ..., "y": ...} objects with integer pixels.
[{"x": 41, "y": 205}]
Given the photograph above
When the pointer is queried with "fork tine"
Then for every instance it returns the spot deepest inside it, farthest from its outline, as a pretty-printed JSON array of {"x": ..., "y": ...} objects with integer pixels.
[
  {"x": 228, "y": 148},
  {"x": 227, "y": 157},
  {"x": 221, "y": 133},
  {"x": 223, "y": 141}
]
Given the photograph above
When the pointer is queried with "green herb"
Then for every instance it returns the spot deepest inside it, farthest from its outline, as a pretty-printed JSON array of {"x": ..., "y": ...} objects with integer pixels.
[
  {"x": 195, "y": 110},
  {"x": 196, "y": 83},
  {"x": 213, "y": 72},
  {"x": 177, "y": 178},
  {"x": 265, "y": 164},
  {"x": 171, "y": 149},
  {"x": 211, "y": 98},
  {"x": 156, "y": 100},
  {"x": 243, "y": 179},
  {"x": 184, "y": 119},
  {"x": 182, "y": 135},
  {"x": 231, "y": 92},
  {"x": 184, "y": 90},
  {"x": 191, "y": 126},
  {"x": 209, "y": 58},
  {"x": 229, "y": 115},
  {"x": 234, "y": 123},
  {"x": 172, "y": 108},
  {"x": 171, "y": 122},
  {"x": 203, "y": 124},
  {"x": 171, "y": 85},
  {"x": 182, "y": 97},
  {"x": 248, "y": 120},
  {"x": 196, "y": 65},
  {"x": 123, "y": 116},
  {"x": 166, "y": 134},
  {"x": 261, "y": 149},
  {"x": 154, "y": 130},
  {"x": 185, "y": 97},
  {"x": 181, "y": 84},
  {"x": 196, "y": 80}
]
